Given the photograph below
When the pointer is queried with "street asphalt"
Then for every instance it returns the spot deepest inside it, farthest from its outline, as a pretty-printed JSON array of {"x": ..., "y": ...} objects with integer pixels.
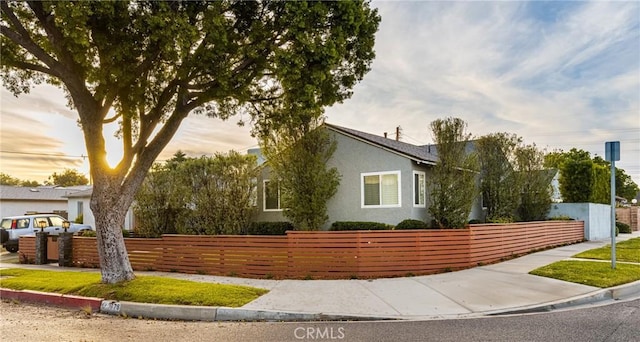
[{"x": 500, "y": 288}]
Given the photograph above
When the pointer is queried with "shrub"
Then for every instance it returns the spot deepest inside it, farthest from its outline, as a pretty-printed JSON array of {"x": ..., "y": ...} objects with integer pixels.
[
  {"x": 412, "y": 224},
  {"x": 79, "y": 219},
  {"x": 358, "y": 225},
  {"x": 623, "y": 227},
  {"x": 269, "y": 228},
  {"x": 87, "y": 233},
  {"x": 475, "y": 221},
  {"x": 500, "y": 220},
  {"x": 560, "y": 218}
]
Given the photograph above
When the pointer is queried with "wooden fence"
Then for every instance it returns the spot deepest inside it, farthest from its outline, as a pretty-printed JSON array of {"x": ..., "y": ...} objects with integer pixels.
[{"x": 333, "y": 255}]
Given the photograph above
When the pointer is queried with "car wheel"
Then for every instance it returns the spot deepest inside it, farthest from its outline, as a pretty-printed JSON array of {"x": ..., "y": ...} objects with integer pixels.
[{"x": 12, "y": 248}]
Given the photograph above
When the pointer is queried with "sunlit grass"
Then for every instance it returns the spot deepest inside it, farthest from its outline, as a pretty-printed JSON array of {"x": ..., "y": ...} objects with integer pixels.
[
  {"x": 625, "y": 251},
  {"x": 144, "y": 289},
  {"x": 592, "y": 273}
]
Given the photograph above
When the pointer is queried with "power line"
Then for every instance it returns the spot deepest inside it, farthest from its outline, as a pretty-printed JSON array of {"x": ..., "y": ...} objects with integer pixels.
[{"x": 43, "y": 154}]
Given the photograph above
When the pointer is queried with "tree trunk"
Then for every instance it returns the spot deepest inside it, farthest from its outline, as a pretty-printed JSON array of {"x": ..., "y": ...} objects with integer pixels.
[{"x": 110, "y": 209}]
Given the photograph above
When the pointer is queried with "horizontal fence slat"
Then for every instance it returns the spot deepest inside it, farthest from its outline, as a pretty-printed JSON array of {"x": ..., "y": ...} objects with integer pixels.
[{"x": 332, "y": 255}]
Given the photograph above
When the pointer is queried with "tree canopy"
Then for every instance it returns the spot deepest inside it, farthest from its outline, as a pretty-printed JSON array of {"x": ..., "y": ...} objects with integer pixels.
[
  {"x": 147, "y": 64},
  {"x": 6, "y": 179},
  {"x": 586, "y": 179},
  {"x": 68, "y": 177}
]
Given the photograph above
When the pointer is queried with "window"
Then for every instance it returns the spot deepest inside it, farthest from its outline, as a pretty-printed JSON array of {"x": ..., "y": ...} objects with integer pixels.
[
  {"x": 419, "y": 189},
  {"x": 381, "y": 189},
  {"x": 80, "y": 208},
  {"x": 271, "y": 196}
]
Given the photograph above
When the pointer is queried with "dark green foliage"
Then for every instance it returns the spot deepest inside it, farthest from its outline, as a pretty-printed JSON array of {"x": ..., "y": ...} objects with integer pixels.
[
  {"x": 475, "y": 221},
  {"x": 534, "y": 183},
  {"x": 412, "y": 224},
  {"x": 625, "y": 186},
  {"x": 576, "y": 176},
  {"x": 297, "y": 151},
  {"x": 583, "y": 179},
  {"x": 68, "y": 177},
  {"x": 359, "y": 225},
  {"x": 600, "y": 181},
  {"x": 453, "y": 182},
  {"x": 147, "y": 65},
  {"x": 6, "y": 179},
  {"x": 496, "y": 154},
  {"x": 269, "y": 228},
  {"x": 197, "y": 196},
  {"x": 623, "y": 227}
]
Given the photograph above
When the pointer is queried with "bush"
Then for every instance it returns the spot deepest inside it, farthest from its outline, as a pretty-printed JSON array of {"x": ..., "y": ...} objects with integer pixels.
[
  {"x": 500, "y": 220},
  {"x": 359, "y": 225},
  {"x": 412, "y": 224},
  {"x": 560, "y": 218},
  {"x": 623, "y": 228},
  {"x": 79, "y": 219},
  {"x": 475, "y": 221},
  {"x": 269, "y": 228},
  {"x": 87, "y": 233}
]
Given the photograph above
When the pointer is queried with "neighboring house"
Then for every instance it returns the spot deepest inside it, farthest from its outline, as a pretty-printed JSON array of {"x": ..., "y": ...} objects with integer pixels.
[
  {"x": 383, "y": 180},
  {"x": 79, "y": 204},
  {"x": 556, "y": 196},
  {"x": 20, "y": 200}
]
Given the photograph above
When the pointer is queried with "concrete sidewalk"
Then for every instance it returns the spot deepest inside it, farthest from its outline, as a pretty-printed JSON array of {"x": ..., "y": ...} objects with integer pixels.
[{"x": 498, "y": 288}]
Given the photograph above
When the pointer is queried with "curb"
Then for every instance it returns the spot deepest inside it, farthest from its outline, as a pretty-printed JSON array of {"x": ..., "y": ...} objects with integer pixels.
[
  {"x": 174, "y": 312},
  {"x": 218, "y": 314},
  {"x": 67, "y": 301},
  {"x": 226, "y": 314},
  {"x": 611, "y": 293}
]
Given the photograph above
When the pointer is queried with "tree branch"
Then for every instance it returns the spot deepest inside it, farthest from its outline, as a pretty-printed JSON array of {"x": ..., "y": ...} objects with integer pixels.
[{"x": 30, "y": 66}]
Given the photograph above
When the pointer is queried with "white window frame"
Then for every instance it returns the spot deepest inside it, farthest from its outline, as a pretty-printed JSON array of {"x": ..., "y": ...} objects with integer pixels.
[
  {"x": 423, "y": 189},
  {"x": 380, "y": 174},
  {"x": 264, "y": 197}
]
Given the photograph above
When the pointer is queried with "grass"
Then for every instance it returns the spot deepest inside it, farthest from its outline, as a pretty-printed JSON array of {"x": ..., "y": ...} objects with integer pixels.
[
  {"x": 592, "y": 273},
  {"x": 625, "y": 251},
  {"x": 143, "y": 289}
]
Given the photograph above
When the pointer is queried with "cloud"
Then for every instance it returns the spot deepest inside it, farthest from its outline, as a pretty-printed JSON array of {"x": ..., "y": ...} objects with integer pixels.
[{"x": 539, "y": 70}]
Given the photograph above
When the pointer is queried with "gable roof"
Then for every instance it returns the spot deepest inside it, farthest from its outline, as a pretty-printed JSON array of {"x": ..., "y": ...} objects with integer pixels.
[
  {"x": 420, "y": 154},
  {"x": 22, "y": 193}
]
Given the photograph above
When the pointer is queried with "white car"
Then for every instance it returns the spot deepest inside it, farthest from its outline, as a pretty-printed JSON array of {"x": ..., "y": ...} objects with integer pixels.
[{"x": 15, "y": 226}]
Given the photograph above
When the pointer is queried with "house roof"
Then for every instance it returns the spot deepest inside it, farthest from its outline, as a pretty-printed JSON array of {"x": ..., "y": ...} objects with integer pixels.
[
  {"x": 418, "y": 153},
  {"x": 81, "y": 193},
  {"x": 22, "y": 193}
]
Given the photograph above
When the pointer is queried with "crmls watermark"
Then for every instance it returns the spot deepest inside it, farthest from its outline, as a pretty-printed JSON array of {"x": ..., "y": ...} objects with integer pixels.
[{"x": 319, "y": 333}]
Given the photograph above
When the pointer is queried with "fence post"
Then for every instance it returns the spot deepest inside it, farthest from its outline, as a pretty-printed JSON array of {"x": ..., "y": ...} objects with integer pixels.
[
  {"x": 65, "y": 249},
  {"x": 41, "y": 248}
]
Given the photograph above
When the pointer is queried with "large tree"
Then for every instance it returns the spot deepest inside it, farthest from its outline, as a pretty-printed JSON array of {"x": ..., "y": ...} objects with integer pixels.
[
  {"x": 148, "y": 64},
  {"x": 453, "y": 182}
]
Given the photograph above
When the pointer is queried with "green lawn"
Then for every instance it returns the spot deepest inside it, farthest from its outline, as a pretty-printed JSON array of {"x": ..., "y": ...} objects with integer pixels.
[
  {"x": 625, "y": 251},
  {"x": 592, "y": 273},
  {"x": 144, "y": 289}
]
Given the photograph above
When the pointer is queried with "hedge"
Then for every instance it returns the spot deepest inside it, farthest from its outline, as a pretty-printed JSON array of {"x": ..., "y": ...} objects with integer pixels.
[{"x": 359, "y": 225}]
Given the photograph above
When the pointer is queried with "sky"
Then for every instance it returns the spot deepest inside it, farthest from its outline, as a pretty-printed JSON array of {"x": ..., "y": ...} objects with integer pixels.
[{"x": 562, "y": 75}]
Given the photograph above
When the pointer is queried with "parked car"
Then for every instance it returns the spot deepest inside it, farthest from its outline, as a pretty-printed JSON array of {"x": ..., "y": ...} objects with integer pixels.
[{"x": 15, "y": 226}]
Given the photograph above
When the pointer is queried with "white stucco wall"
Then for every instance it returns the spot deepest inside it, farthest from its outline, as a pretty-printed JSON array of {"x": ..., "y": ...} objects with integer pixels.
[
  {"x": 596, "y": 217},
  {"x": 16, "y": 208},
  {"x": 88, "y": 217}
]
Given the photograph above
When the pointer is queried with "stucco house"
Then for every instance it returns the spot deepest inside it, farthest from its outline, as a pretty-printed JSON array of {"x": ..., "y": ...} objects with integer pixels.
[
  {"x": 21, "y": 200},
  {"x": 383, "y": 180},
  {"x": 79, "y": 204}
]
